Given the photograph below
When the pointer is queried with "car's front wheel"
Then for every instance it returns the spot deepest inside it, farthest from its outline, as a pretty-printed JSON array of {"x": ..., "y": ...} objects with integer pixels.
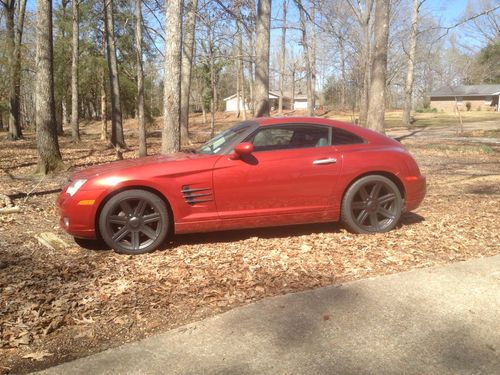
[
  {"x": 372, "y": 204},
  {"x": 134, "y": 222}
]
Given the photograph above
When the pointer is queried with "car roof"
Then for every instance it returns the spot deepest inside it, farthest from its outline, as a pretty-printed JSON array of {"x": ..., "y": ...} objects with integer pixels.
[{"x": 370, "y": 135}]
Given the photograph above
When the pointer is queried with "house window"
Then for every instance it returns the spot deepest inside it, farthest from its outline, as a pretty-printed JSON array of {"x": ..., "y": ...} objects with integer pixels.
[{"x": 488, "y": 99}]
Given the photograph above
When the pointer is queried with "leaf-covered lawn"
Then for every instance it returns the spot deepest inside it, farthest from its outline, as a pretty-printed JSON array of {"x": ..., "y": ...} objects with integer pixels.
[{"x": 58, "y": 305}]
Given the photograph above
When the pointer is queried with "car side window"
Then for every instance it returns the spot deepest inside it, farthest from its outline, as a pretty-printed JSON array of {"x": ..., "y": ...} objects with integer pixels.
[
  {"x": 286, "y": 137},
  {"x": 343, "y": 137}
]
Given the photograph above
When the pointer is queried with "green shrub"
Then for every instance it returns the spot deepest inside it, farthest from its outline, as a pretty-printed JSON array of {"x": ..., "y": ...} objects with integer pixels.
[{"x": 426, "y": 110}]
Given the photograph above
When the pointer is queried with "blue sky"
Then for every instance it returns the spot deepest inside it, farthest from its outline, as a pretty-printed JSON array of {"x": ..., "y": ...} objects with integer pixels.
[{"x": 447, "y": 11}]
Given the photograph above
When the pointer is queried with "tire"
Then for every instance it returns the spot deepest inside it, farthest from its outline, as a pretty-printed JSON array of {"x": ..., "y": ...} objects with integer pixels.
[
  {"x": 372, "y": 204},
  {"x": 134, "y": 222}
]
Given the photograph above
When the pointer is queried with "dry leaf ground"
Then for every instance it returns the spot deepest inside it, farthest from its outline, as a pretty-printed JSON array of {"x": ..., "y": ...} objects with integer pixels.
[{"x": 56, "y": 305}]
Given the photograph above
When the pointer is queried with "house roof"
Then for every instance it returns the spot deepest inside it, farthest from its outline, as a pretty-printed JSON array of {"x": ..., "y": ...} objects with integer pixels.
[
  {"x": 303, "y": 97},
  {"x": 276, "y": 95},
  {"x": 463, "y": 90},
  {"x": 272, "y": 95}
]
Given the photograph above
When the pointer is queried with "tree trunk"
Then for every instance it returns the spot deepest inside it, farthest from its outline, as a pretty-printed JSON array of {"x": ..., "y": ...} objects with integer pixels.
[
  {"x": 172, "y": 77},
  {"x": 313, "y": 55},
  {"x": 343, "y": 74},
  {"x": 143, "y": 151},
  {"x": 364, "y": 16},
  {"x": 292, "y": 105},
  {"x": 241, "y": 73},
  {"x": 64, "y": 102},
  {"x": 49, "y": 157},
  {"x": 104, "y": 101},
  {"x": 262, "y": 43},
  {"x": 238, "y": 94},
  {"x": 251, "y": 87},
  {"x": 75, "y": 126},
  {"x": 203, "y": 111},
  {"x": 376, "y": 107},
  {"x": 411, "y": 62},
  {"x": 64, "y": 114},
  {"x": 117, "y": 139},
  {"x": 213, "y": 87},
  {"x": 104, "y": 111},
  {"x": 366, "y": 64},
  {"x": 187, "y": 65},
  {"x": 305, "y": 46},
  {"x": 283, "y": 58},
  {"x": 14, "y": 38}
]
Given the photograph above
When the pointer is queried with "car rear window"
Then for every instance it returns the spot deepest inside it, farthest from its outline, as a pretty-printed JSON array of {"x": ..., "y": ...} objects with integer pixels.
[{"x": 343, "y": 137}]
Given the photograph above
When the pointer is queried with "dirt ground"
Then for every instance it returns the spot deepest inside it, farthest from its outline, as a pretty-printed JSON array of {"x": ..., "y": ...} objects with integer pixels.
[{"x": 56, "y": 305}]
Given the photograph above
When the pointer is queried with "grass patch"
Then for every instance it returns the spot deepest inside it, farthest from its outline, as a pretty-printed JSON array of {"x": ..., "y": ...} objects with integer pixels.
[{"x": 481, "y": 149}]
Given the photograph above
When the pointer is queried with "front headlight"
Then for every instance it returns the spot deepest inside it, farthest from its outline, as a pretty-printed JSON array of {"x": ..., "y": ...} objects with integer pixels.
[{"x": 75, "y": 186}]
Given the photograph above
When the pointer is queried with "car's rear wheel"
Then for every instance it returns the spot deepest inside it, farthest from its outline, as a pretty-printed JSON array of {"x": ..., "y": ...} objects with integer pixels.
[
  {"x": 134, "y": 222},
  {"x": 372, "y": 204}
]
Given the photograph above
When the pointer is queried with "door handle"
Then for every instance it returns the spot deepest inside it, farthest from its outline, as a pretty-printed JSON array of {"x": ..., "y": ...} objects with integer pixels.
[{"x": 325, "y": 161}]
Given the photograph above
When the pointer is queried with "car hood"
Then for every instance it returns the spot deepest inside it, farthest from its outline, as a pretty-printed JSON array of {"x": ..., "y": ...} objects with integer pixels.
[{"x": 108, "y": 168}]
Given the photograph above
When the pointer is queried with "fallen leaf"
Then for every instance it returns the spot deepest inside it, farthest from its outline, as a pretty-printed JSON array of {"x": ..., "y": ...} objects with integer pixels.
[{"x": 38, "y": 356}]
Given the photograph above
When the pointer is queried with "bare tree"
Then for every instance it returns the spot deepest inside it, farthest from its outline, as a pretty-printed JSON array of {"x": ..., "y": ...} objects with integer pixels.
[
  {"x": 313, "y": 55},
  {"x": 307, "y": 59},
  {"x": 14, "y": 12},
  {"x": 241, "y": 73},
  {"x": 104, "y": 100},
  {"x": 64, "y": 100},
  {"x": 141, "y": 126},
  {"x": 117, "y": 139},
  {"x": 283, "y": 58},
  {"x": 213, "y": 82},
  {"x": 363, "y": 13},
  {"x": 376, "y": 107},
  {"x": 262, "y": 44},
  {"x": 172, "y": 77},
  {"x": 75, "y": 126},
  {"x": 49, "y": 157},
  {"x": 411, "y": 62},
  {"x": 187, "y": 65}
]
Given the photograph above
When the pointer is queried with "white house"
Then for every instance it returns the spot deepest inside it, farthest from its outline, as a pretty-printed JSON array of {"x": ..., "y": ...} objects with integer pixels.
[
  {"x": 300, "y": 102},
  {"x": 232, "y": 104}
]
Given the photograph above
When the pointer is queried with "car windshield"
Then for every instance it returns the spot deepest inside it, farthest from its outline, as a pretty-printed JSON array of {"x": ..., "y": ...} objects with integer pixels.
[{"x": 222, "y": 141}]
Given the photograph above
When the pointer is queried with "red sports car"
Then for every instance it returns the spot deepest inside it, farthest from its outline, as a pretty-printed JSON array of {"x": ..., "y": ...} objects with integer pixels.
[{"x": 263, "y": 172}]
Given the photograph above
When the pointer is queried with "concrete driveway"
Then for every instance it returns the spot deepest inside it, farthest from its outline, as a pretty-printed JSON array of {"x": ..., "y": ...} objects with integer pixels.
[{"x": 443, "y": 320}]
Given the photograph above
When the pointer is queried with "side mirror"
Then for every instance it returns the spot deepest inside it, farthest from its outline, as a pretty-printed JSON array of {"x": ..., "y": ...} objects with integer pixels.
[{"x": 241, "y": 150}]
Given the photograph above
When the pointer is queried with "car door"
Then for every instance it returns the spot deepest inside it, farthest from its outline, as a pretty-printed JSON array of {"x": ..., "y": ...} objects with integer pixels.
[{"x": 289, "y": 178}]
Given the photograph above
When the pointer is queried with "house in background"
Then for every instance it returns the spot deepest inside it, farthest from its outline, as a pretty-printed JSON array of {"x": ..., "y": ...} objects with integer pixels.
[
  {"x": 300, "y": 102},
  {"x": 232, "y": 102},
  {"x": 480, "y": 97}
]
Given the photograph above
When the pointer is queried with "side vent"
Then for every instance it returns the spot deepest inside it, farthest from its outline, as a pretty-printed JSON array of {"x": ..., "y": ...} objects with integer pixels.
[{"x": 194, "y": 196}]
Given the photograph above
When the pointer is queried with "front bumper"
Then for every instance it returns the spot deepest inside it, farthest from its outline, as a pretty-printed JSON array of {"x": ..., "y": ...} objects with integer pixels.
[{"x": 77, "y": 213}]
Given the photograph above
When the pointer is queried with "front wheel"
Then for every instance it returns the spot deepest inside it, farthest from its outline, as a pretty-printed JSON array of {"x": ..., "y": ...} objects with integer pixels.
[
  {"x": 372, "y": 204},
  {"x": 134, "y": 222}
]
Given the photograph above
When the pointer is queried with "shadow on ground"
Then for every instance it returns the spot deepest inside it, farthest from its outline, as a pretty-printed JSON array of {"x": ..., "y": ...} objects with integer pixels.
[{"x": 409, "y": 218}]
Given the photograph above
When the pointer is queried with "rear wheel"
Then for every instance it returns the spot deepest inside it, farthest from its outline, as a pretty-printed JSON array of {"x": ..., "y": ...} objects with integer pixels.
[
  {"x": 134, "y": 222},
  {"x": 372, "y": 204}
]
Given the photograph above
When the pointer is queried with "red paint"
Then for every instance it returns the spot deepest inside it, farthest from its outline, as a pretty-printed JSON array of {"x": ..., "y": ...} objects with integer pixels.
[
  {"x": 249, "y": 188},
  {"x": 242, "y": 149}
]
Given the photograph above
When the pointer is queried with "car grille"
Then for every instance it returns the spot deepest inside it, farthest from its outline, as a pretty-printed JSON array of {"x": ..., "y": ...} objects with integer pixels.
[{"x": 194, "y": 196}]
